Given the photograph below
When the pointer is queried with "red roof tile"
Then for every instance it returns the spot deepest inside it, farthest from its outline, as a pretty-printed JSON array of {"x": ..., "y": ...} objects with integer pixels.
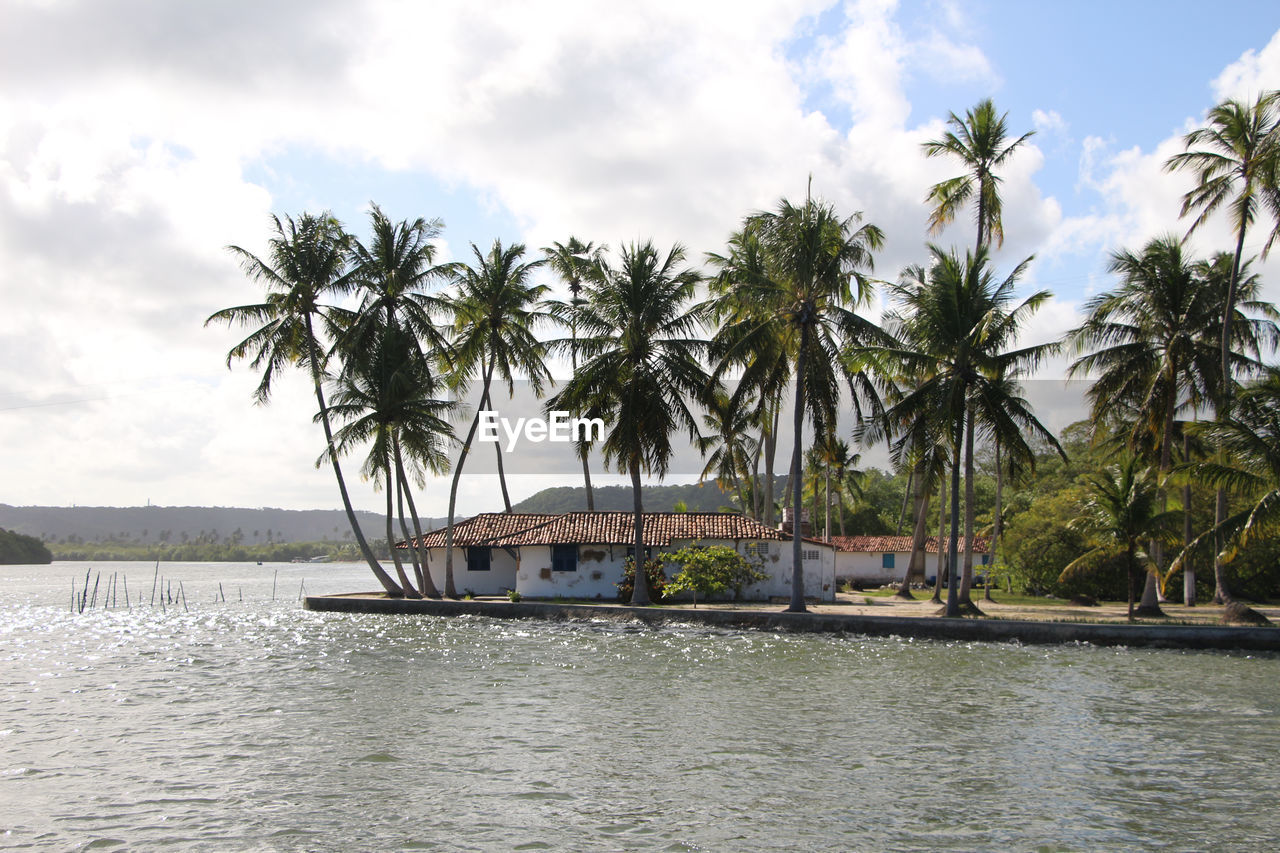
[
  {"x": 660, "y": 529},
  {"x": 480, "y": 529}
]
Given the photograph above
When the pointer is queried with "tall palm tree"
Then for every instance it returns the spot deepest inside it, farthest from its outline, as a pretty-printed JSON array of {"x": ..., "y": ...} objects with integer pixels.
[
  {"x": 742, "y": 344},
  {"x": 640, "y": 371},
  {"x": 844, "y": 473},
  {"x": 1250, "y": 440},
  {"x": 387, "y": 399},
  {"x": 305, "y": 265},
  {"x": 798, "y": 300},
  {"x": 728, "y": 447},
  {"x": 1236, "y": 165},
  {"x": 978, "y": 141},
  {"x": 1122, "y": 512},
  {"x": 572, "y": 262},
  {"x": 495, "y": 310},
  {"x": 954, "y": 327},
  {"x": 1153, "y": 345}
]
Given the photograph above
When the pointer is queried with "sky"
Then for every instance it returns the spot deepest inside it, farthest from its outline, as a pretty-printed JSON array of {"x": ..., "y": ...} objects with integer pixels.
[{"x": 139, "y": 139}]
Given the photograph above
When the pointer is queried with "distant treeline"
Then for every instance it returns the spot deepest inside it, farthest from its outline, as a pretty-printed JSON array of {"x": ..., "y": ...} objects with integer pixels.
[
  {"x": 170, "y": 525},
  {"x": 17, "y": 549},
  {"x": 206, "y": 552}
]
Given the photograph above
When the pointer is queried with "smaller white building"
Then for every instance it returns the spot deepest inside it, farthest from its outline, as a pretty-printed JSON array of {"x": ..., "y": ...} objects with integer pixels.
[
  {"x": 582, "y": 554},
  {"x": 878, "y": 560}
]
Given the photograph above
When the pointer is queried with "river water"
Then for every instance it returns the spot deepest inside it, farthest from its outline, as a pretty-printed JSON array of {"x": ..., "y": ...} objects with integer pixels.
[{"x": 252, "y": 724}]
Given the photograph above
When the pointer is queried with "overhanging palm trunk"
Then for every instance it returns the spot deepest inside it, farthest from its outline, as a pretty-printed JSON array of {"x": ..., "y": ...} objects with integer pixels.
[
  {"x": 388, "y": 584},
  {"x": 428, "y": 586},
  {"x": 450, "y": 589}
]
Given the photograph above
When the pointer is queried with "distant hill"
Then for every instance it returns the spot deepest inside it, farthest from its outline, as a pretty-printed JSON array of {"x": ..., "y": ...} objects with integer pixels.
[
  {"x": 706, "y": 497},
  {"x": 174, "y": 525}
]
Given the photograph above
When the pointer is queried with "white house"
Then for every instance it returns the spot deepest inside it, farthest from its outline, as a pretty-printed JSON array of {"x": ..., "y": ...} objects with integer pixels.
[
  {"x": 581, "y": 554},
  {"x": 879, "y": 560}
]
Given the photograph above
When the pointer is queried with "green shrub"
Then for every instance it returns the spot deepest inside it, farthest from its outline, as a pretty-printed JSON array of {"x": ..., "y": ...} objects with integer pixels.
[{"x": 655, "y": 579}]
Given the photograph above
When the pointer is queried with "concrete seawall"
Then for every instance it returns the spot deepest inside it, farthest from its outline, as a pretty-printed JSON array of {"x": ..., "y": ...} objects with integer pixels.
[{"x": 933, "y": 628}]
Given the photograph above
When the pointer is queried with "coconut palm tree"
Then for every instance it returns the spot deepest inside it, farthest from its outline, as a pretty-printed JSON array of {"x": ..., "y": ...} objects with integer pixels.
[
  {"x": 1153, "y": 345},
  {"x": 953, "y": 328},
  {"x": 1120, "y": 514},
  {"x": 795, "y": 302},
  {"x": 306, "y": 264},
  {"x": 640, "y": 371},
  {"x": 1236, "y": 163},
  {"x": 728, "y": 446},
  {"x": 388, "y": 401},
  {"x": 978, "y": 141},
  {"x": 572, "y": 262},
  {"x": 495, "y": 310},
  {"x": 843, "y": 463},
  {"x": 756, "y": 352},
  {"x": 1250, "y": 439}
]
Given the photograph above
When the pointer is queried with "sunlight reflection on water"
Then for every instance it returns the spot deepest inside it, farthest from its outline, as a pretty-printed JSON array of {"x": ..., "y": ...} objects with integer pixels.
[{"x": 254, "y": 724}]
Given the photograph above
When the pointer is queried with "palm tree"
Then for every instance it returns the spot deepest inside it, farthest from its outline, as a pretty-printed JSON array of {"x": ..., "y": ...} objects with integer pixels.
[
  {"x": 843, "y": 463},
  {"x": 1250, "y": 439},
  {"x": 1121, "y": 512},
  {"x": 1154, "y": 343},
  {"x": 640, "y": 370},
  {"x": 729, "y": 447},
  {"x": 306, "y": 264},
  {"x": 743, "y": 344},
  {"x": 495, "y": 310},
  {"x": 572, "y": 262},
  {"x": 795, "y": 303},
  {"x": 387, "y": 399},
  {"x": 978, "y": 141},
  {"x": 953, "y": 328},
  {"x": 1236, "y": 166}
]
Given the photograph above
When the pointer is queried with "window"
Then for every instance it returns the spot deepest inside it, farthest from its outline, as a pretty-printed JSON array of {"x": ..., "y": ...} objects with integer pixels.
[
  {"x": 564, "y": 558},
  {"x": 648, "y": 552},
  {"x": 886, "y": 562},
  {"x": 478, "y": 559},
  {"x": 986, "y": 558},
  {"x": 809, "y": 555},
  {"x": 756, "y": 549}
]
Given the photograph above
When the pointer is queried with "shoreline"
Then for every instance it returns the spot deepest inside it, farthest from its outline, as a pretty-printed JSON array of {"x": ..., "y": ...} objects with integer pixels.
[{"x": 1028, "y": 631}]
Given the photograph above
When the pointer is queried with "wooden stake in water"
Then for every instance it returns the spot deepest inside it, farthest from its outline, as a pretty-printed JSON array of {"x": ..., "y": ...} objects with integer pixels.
[
  {"x": 302, "y": 589},
  {"x": 183, "y": 595},
  {"x": 93, "y": 602},
  {"x": 274, "y": 575},
  {"x": 221, "y": 593},
  {"x": 73, "y": 593},
  {"x": 154, "y": 579},
  {"x": 126, "y": 593},
  {"x": 84, "y": 594}
]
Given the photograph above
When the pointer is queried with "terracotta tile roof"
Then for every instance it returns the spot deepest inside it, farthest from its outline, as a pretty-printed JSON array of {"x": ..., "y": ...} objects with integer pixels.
[
  {"x": 898, "y": 544},
  {"x": 660, "y": 529},
  {"x": 480, "y": 529}
]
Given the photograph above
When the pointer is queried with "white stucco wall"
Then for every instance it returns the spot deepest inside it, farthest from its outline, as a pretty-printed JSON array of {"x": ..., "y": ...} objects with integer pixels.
[
  {"x": 500, "y": 577},
  {"x": 600, "y": 569},
  {"x": 865, "y": 568}
]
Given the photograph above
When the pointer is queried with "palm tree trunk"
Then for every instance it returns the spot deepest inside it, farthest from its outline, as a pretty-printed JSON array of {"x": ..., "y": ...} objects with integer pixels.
[
  {"x": 797, "y": 489},
  {"x": 940, "y": 571},
  {"x": 920, "y": 530},
  {"x": 907, "y": 495},
  {"x": 997, "y": 529},
  {"x": 449, "y": 589},
  {"x": 953, "y": 590},
  {"x": 405, "y": 583},
  {"x": 388, "y": 584},
  {"x": 756, "y": 501},
  {"x": 1221, "y": 592},
  {"x": 640, "y": 589},
  {"x": 1188, "y": 570},
  {"x": 502, "y": 479},
  {"x": 770, "y": 449},
  {"x": 404, "y": 528},
  {"x": 584, "y": 450},
  {"x": 826, "y": 519},
  {"x": 966, "y": 577},
  {"x": 428, "y": 585},
  {"x": 1132, "y": 577}
]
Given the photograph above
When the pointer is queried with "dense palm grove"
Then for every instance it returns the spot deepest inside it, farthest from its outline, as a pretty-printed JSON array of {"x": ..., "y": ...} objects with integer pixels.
[{"x": 1176, "y": 474}]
